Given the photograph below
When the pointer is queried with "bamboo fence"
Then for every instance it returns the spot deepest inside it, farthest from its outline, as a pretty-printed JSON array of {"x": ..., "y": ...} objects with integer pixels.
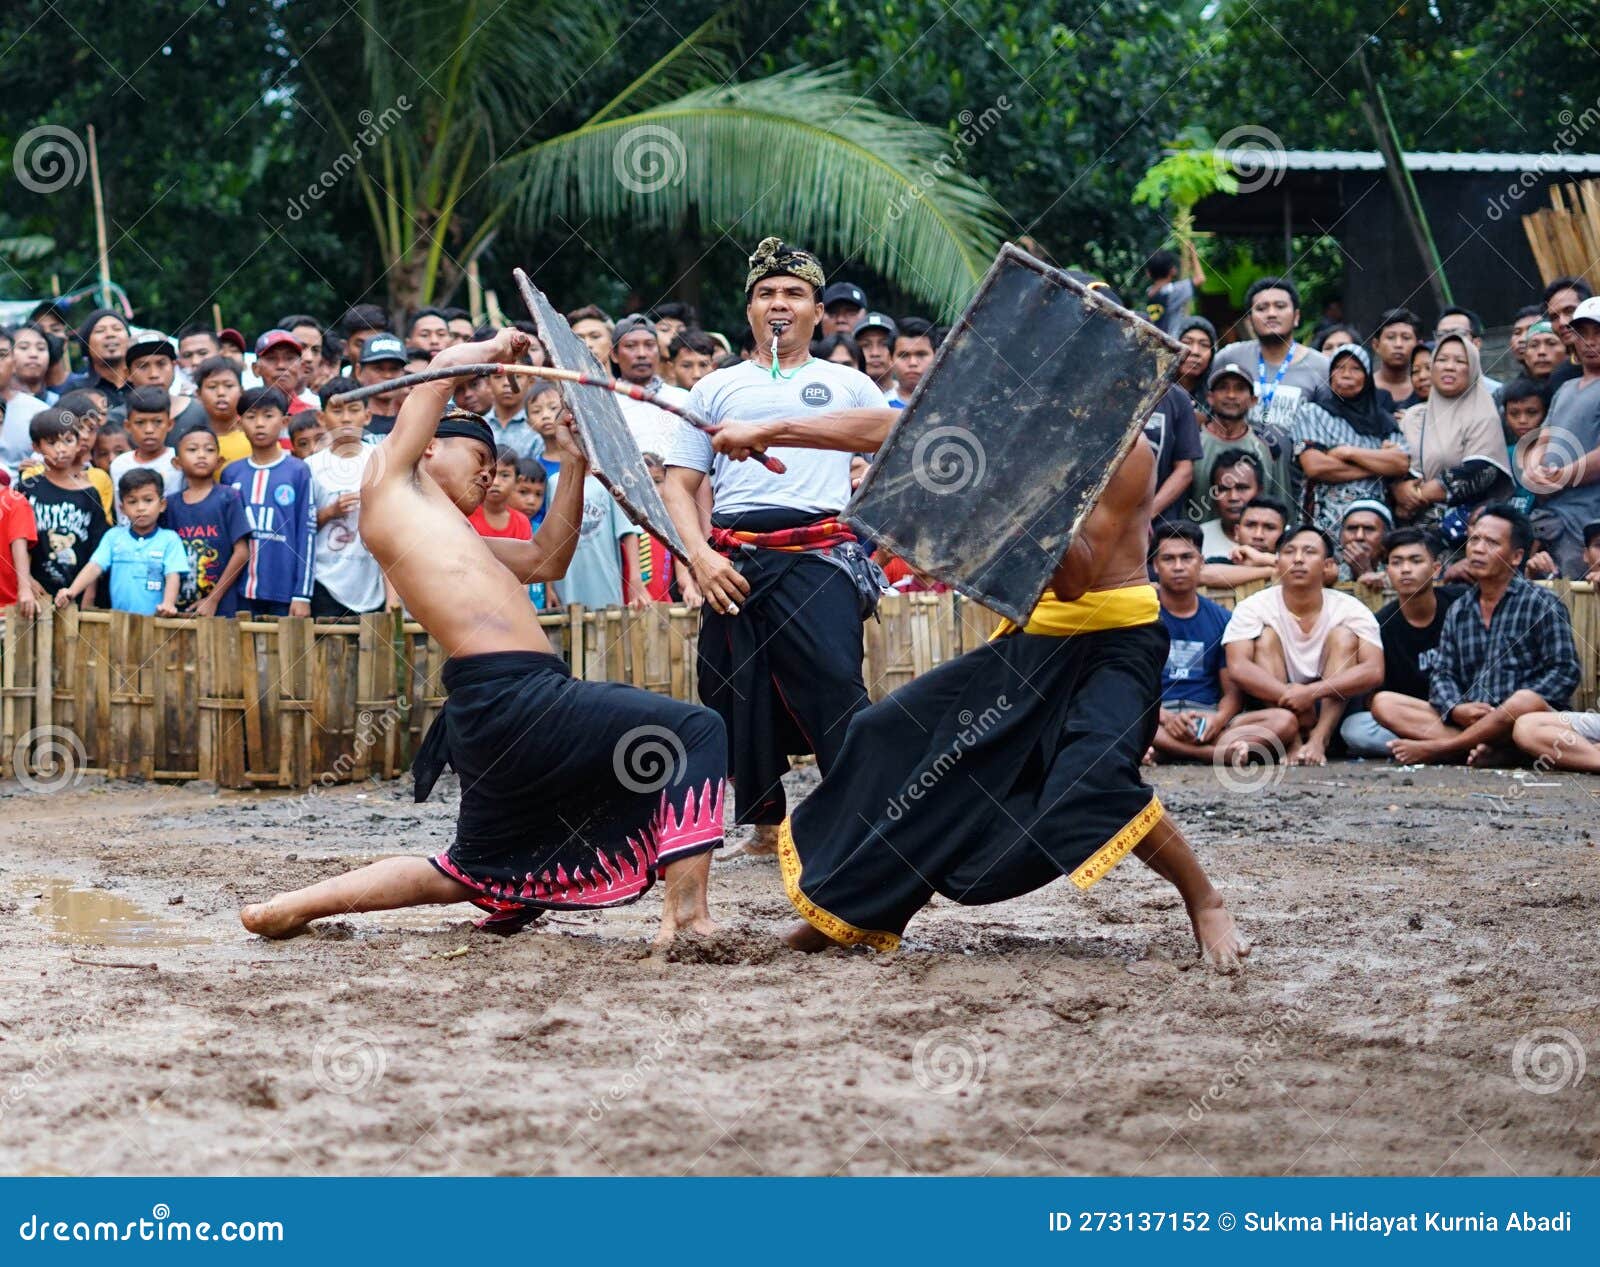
[
  {"x": 293, "y": 703},
  {"x": 1565, "y": 236}
]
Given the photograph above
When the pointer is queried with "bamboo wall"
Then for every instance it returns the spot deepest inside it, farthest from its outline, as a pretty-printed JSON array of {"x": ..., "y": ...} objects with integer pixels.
[{"x": 295, "y": 702}]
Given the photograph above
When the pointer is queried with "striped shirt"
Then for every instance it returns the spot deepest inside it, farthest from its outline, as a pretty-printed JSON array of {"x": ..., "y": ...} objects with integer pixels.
[{"x": 281, "y": 508}]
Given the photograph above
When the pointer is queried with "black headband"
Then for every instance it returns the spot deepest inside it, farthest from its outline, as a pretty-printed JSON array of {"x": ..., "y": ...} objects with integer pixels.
[{"x": 464, "y": 423}]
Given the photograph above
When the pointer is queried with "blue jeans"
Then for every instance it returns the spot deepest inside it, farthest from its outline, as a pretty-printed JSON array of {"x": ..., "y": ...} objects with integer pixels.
[{"x": 1364, "y": 737}]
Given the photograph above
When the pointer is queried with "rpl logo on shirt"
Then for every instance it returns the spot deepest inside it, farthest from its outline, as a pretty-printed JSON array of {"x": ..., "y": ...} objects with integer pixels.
[{"x": 816, "y": 395}]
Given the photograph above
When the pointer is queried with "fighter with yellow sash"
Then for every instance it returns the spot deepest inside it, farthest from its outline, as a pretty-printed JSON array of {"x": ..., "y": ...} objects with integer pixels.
[{"x": 1016, "y": 764}]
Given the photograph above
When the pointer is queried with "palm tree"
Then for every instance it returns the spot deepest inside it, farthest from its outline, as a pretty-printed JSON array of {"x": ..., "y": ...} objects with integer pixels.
[{"x": 456, "y": 141}]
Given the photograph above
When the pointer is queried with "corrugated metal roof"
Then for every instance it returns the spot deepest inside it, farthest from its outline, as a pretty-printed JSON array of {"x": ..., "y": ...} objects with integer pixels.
[{"x": 1267, "y": 158}]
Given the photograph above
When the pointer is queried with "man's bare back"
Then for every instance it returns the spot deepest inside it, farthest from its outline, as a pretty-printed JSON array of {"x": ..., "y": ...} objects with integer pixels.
[{"x": 415, "y": 499}]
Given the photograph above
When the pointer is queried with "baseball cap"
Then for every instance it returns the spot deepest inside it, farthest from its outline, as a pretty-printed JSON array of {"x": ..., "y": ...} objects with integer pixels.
[
  {"x": 277, "y": 338},
  {"x": 150, "y": 347},
  {"x": 1226, "y": 368},
  {"x": 229, "y": 335},
  {"x": 1588, "y": 310},
  {"x": 876, "y": 321},
  {"x": 844, "y": 293},
  {"x": 383, "y": 347},
  {"x": 633, "y": 322}
]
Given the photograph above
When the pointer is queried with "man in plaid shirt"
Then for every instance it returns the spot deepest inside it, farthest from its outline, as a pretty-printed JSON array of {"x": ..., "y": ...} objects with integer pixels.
[{"x": 1506, "y": 651}]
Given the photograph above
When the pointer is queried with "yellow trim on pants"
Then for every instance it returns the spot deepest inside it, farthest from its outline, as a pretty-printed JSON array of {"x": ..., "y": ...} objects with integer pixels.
[
  {"x": 827, "y": 924},
  {"x": 1094, "y": 868},
  {"x": 1123, "y": 608}
]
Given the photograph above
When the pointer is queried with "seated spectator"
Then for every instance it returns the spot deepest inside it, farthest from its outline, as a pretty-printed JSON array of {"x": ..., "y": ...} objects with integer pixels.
[
  {"x": 1506, "y": 649},
  {"x": 1230, "y": 396},
  {"x": 1255, "y": 552},
  {"x": 1303, "y": 647},
  {"x": 1235, "y": 480},
  {"x": 1523, "y": 405},
  {"x": 1411, "y": 624},
  {"x": 1361, "y": 534},
  {"x": 1560, "y": 741},
  {"x": 146, "y": 562},
  {"x": 1562, "y": 465},
  {"x": 1347, "y": 443},
  {"x": 209, "y": 520},
  {"x": 1200, "y": 705},
  {"x": 1456, "y": 444}
]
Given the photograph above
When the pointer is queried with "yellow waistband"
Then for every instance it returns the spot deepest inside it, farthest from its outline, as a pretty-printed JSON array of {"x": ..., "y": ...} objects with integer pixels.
[{"x": 1098, "y": 609}]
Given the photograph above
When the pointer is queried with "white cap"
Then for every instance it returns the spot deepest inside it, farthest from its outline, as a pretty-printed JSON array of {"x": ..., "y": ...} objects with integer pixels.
[{"x": 1588, "y": 310}]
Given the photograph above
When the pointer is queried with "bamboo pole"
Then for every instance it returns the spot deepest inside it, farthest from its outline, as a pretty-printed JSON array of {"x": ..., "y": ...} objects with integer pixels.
[{"x": 100, "y": 220}]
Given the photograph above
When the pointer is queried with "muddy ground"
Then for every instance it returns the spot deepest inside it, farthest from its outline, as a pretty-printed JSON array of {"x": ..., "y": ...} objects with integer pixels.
[{"x": 1423, "y": 999}]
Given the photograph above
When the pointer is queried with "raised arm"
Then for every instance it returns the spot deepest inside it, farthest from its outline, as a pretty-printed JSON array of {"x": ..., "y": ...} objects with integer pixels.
[
  {"x": 401, "y": 449},
  {"x": 844, "y": 430}
]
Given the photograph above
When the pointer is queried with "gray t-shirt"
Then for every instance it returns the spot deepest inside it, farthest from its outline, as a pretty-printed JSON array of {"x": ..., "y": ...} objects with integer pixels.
[
  {"x": 594, "y": 577},
  {"x": 1170, "y": 305},
  {"x": 1573, "y": 426},
  {"x": 1277, "y": 398},
  {"x": 817, "y": 481}
]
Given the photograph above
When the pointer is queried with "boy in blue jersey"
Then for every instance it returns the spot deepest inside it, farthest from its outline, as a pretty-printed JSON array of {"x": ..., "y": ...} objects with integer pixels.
[
  {"x": 276, "y": 489},
  {"x": 146, "y": 562},
  {"x": 1200, "y": 705}
]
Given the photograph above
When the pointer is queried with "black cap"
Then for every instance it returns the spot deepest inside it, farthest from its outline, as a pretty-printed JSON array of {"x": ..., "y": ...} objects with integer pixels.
[
  {"x": 844, "y": 293},
  {"x": 876, "y": 321},
  {"x": 150, "y": 347},
  {"x": 383, "y": 347}
]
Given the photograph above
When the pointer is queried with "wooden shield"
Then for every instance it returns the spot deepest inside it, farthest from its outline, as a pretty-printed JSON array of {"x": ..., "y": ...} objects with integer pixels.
[
  {"x": 613, "y": 454},
  {"x": 1011, "y": 436}
]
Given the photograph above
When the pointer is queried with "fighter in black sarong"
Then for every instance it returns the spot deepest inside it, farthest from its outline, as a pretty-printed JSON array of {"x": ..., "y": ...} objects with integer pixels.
[
  {"x": 1018, "y": 763},
  {"x": 574, "y": 795}
]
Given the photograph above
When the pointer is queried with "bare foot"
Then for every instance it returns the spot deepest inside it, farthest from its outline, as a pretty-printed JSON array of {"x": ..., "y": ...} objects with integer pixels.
[
  {"x": 683, "y": 899},
  {"x": 763, "y": 843},
  {"x": 269, "y": 919},
  {"x": 1492, "y": 754},
  {"x": 1149, "y": 756},
  {"x": 1416, "y": 751},
  {"x": 799, "y": 935},
  {"x": 1311, "y": 752},
  {"x": 1222, "y": 945}
]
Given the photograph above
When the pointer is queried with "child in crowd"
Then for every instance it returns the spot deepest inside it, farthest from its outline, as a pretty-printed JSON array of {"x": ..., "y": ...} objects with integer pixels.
[
  {"x": 527, "y": 495},
  {"x": 217, "y": 388},
  {"x": 544, "y": 410},
  {"x": 146, "y": 562},
  {"x": 280, "y": 507},
  {"x": 348, "y": 579},
  {"x": 604, "y": 571},
  {"x": 1523, "y": 405},
  {"x": 67, "y": 510},
  {"x": 477, "y": 394},
  {"x": 305, "y": 435},
  {"x": 149, "y": 421},
  {"x": 209, "y": 520},
  {"x": 496, "y": 517},
  {"x": 110, "y": 442},
  {"x": 100, "y": 481},
  {"x": 655, "y": 560},
  {"x": 509, "y": 417},
  {"x": 17, "y": 536}
]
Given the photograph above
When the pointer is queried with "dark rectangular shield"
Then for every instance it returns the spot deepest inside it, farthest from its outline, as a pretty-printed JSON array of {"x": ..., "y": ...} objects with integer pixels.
[
  {"x": 613, "y": 454},
  {"x": 1012, "y": 435}
]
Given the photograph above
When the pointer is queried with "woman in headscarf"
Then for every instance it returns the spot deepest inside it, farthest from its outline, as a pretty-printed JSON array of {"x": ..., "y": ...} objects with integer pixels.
[
  {"x": 1346, "y": 442},
  {"x": 1199, "y": 339},
  {"x": 1457, "y": 445}
]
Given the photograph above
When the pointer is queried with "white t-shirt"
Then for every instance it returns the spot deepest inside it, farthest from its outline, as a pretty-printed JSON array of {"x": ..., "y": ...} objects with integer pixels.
[
  {"x": 165, "y": 465},
  {"x": 15, "y": 446},
  {"x": 1302, "y": 652},
  {"x": 343, "y": 564},
  {"x": 817, "y": 481},
  {"x": 1215, "y": 542},
  {"x": 654, "y": 430}
]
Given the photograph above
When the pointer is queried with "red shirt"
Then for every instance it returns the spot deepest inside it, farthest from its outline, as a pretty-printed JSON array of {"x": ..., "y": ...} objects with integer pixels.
[
  {"x": 517, "y": 529},
  {"x": 16, "y": 524}
]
